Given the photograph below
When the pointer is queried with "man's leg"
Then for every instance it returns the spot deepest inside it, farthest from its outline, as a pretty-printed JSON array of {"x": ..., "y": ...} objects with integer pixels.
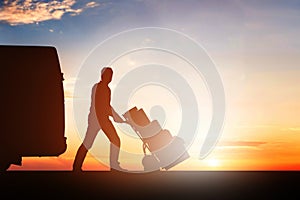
[
  {"x": 87, "y": 143},
  {"x": 79, "y": 158},
  {"x": 114, "y": 139}
]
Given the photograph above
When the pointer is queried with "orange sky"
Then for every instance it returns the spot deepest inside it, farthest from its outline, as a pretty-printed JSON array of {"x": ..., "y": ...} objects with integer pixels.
[
  {"x": 261, "y": 129},
  {"x": 240, "y": 148}
]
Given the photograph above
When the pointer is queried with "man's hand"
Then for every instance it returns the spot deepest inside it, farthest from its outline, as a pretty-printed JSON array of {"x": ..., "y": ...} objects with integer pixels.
[
  {"x": 117, "y": 117},
  {"x": 120, "y": 120}
]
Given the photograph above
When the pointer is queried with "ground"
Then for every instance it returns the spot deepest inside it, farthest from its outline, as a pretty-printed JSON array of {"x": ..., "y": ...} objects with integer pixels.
[{"x": 155, "y": 185}]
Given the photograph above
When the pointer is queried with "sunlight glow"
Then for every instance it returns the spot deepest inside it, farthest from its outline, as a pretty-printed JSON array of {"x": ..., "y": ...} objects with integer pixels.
[{"x": 213, "y": 162}]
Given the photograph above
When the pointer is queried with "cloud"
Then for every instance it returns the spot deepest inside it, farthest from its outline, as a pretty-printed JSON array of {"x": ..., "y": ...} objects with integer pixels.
[
  {"x": 69, "y": 87},
  {"x": 295, "y": 129},
  {"x": 28, "y": 11},
  {"x": 258, "y": 126},
  {"x": 92, "y": 4},
  {"x": 241, "y": 144}
]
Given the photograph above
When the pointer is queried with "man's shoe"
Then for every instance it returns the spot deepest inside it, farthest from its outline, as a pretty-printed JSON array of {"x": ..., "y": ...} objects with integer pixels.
[
  {"x": 117, "y": 168},
  {"x": 77, "y": 170}
]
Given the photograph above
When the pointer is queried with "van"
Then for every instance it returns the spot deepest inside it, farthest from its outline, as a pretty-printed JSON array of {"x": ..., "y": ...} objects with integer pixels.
[{"x": 32, "y": 104}]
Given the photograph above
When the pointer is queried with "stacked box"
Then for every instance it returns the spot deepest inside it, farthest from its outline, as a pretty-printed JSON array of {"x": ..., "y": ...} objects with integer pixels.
[
  {"x": 159, "y": 140},
  {"x": 137, "y": 118}
]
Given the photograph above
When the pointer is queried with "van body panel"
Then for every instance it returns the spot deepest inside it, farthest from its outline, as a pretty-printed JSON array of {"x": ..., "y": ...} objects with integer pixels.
[{"x": 32, "y": 102}]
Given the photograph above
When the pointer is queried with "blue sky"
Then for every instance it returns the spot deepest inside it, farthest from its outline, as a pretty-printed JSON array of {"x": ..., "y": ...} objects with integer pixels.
[{"x": 221, "y": 26}]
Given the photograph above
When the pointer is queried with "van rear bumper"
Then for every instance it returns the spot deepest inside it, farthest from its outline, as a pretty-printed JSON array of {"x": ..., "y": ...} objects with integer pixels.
[{"x": 53, "y": 148}]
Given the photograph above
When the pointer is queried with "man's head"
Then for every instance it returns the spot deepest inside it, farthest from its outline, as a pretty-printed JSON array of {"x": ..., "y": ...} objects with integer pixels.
[{"x": 106, "y": 74}]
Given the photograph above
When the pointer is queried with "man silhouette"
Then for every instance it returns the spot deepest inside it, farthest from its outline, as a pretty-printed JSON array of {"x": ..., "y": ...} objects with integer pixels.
[{"x": 98, "y": 118}]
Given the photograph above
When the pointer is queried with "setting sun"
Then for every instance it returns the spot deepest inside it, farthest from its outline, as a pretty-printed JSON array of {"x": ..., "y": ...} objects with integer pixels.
[{"x": 213, "y": 163}]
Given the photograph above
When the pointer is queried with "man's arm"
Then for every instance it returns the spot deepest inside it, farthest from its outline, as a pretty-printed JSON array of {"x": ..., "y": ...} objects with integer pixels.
[{"x": 116, "y": 116}]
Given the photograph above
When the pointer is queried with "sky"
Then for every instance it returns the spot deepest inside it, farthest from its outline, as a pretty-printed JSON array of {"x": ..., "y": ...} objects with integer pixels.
[{"x": 253, "y": 44}]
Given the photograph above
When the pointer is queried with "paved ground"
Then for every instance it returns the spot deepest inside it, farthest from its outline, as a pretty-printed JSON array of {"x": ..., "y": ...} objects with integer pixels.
[{"x": 156, "y": 185}]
